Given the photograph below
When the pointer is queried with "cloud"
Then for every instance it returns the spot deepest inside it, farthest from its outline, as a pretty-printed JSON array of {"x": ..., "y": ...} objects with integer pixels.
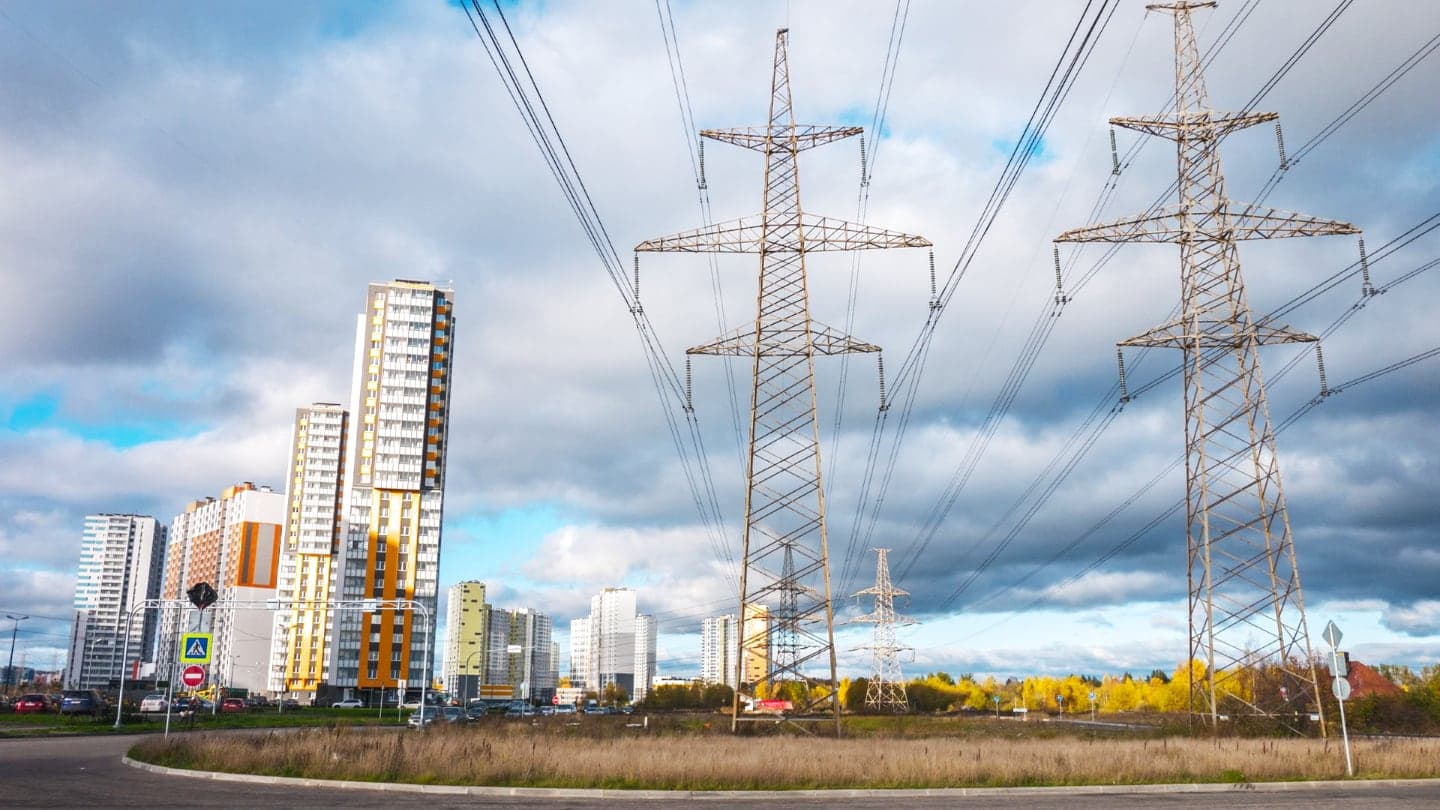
[
  {"x": 1421, "y": 618},
  {"x": 194, "y": 203}
]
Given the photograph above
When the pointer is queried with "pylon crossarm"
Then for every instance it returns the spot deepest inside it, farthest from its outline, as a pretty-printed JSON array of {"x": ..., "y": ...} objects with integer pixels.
[
  {"x": 1217, "y": 334},
  {"x": 1232, "y": 221},
  {"x": 1192, "y": 125},
  {"x": 1277, "y": 224},
  {"x": 740, "y": 342},
  {"x": 1182, "y": 5},
  {"x": 747, "y": 235},
  {"x": 806, "y": 136}
]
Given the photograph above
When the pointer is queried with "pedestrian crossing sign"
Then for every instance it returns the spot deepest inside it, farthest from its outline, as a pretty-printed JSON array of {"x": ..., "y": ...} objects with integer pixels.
[{"x": 195, "y": 648}]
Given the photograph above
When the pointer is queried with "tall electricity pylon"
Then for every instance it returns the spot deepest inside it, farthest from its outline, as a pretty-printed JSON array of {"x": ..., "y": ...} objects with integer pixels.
[
  {"x": 886, "y": 690},
  {"x": 785, "y": 574},
  {"x": 1247, "y": 614}
]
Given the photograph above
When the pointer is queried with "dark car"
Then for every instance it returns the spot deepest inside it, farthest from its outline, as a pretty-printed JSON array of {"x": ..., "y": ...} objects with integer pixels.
[
  {"x": 82, "y": 701},
  {"x": 32, "y": 703}
]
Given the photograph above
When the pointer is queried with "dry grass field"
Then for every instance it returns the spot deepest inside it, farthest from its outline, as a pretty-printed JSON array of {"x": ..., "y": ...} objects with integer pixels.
[{"x": 512, "y": 754}]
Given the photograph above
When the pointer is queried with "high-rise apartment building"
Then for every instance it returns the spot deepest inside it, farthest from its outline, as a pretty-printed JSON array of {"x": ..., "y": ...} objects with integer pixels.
[
  {"x": 719, "y": 642},
  {"x": 755, "y": 641},
  {"x": 233, "y": 543},
  {"x": 121, "y": 564},
  {"x": 518, "y": 653},
  {"x": 314, "y": 496},
  {"x": 579, "y": 652},
  {"x": 396, "y": 473},
  {"x": 487, "y": 648},
  {"x": 621, "y": 649},
  {"x": 645, "y": 638},
  {"x": 466, "y": 624}
]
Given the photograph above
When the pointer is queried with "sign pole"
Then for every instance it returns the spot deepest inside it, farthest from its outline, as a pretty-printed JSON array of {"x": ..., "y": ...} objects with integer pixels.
[
  {"x": 1341, "y": 686},
  {"x": 1344, "y": 732}
]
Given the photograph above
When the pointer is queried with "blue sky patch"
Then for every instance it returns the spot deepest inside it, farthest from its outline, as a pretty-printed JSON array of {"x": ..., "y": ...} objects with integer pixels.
[
  {"x": 1039, "y": 153},
  {"x": 41, "y": 411}
]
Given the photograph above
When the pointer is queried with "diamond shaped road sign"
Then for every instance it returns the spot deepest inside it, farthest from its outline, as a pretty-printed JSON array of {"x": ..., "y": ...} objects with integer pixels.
[{"x": 1333, "y": 635}]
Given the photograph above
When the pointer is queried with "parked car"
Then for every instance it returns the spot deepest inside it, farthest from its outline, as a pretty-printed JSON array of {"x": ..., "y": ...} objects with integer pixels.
[
  {"x": 153, "y": 702},
  {"x": 82, "y": 701},
  {"x": 453, "y": 714},
  {"x": 234, "y": 705},
  {"x": 565, "y": 708},
  {"x": 425, "y": 716},
  {"x": 31, "y": 703},
  {"x": 352, "y": 703},
  {"x": 289, "y": 705},
  {"x": 475, "y": 712},
  {"x": 597, "y": 709}
]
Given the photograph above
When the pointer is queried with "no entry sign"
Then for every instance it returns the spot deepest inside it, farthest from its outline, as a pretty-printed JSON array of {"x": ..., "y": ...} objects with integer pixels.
[{"x": 193, "y": 675}]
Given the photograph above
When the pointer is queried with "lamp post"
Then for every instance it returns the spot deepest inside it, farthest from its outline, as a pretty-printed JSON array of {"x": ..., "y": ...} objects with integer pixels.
[
  {"x": 465, "y": 694},
  {"x": 85, "y": 669},
  {"x": 10, "y": 667}
]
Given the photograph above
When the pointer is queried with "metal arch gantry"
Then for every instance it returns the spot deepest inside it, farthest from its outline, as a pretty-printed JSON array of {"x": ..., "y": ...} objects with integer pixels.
[
  {"x": 1246, "y": 611},
  {"x": 786, "y": 615},
  {"x": 886, "y": 690}
]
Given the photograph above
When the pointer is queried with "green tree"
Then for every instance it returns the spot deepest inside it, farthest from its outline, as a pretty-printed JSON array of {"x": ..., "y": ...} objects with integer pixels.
[
  {"x": 852, "y": 696},
  {"x": 615, "y": 695}
]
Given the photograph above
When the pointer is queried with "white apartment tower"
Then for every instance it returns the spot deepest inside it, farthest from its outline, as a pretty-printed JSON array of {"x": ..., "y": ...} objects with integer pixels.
[
  {"x": 621, "y": 648},
  {"x": 399, "y": 415},
  {"x": 645, "y": 635},
  {"x": 314, "y": 492},
  {"x": 579, "y": 652},
  {"x": 719, "y": 642},
  {"x": 122, "y": 561}
]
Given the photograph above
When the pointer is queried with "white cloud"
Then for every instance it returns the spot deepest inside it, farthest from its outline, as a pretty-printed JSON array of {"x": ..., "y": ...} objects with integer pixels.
[{"x": 1421, "y": 618}]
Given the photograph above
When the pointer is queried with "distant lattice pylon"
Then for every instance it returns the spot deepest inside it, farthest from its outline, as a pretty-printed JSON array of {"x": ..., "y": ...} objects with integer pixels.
[
  {"x": 786, "y": 567},
  {"x": 886, "y": 690},
  {"x": 1246, "y": 611}
]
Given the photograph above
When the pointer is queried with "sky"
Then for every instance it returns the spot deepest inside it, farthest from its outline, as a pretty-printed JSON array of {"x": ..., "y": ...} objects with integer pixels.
[{"x": 195, "y": 197}]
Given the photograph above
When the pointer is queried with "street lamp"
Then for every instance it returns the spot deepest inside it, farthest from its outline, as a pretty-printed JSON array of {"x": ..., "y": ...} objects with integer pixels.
[
  {"x": 89, "y": 650},
  {"x": 10, "y": 667},
  {"x": 465, "y": 693}
]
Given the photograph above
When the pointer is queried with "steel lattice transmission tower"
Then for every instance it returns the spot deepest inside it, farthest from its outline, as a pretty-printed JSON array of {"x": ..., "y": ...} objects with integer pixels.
[
  {"x": 886, "y": 690},
  {"x": 1246, "y": 612},
  {"x": 787, "y": 619}
]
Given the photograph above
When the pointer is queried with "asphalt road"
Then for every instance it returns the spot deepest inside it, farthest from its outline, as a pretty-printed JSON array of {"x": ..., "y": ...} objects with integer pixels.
[{"x": 87, "y": 772}]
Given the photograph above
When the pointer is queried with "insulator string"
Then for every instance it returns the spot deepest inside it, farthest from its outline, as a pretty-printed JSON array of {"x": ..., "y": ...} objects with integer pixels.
[
  {"x": 703, "y": 185},
  {"x": 1120, "y": 361}
]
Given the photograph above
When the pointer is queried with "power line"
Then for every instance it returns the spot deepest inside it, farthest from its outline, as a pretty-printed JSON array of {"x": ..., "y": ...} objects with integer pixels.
[{"x": 529, "y": 102}]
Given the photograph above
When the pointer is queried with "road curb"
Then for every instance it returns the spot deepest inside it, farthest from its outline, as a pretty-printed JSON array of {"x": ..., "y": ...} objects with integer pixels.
[{"x": 758, "y": 795}]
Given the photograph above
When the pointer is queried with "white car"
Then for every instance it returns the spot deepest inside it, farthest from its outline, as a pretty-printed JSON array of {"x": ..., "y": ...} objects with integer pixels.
[
  {"x": 425, "y": 716},
  {"x": 352, "y": 703},
  {"x": 152, "y": 703}
]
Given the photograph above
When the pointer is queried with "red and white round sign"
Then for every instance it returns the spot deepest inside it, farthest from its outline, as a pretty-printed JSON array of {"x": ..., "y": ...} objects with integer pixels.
[
  {"x": 555, "y": 700},
  {"x": 193, "y": 675}
]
